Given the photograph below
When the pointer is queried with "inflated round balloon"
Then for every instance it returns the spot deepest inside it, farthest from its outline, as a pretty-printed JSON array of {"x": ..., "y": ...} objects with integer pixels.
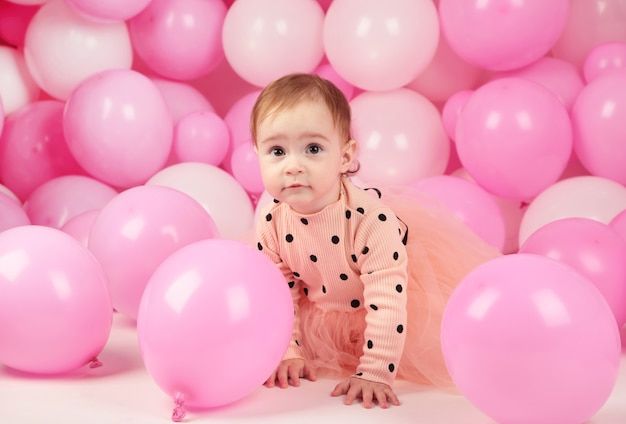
[
  {"x": 245, "y": 168},
  {"x": 60, "y": 199},
  {"x": 180, "y": 39},
  {"x": 33, "y": 147},
  {"x": 201, "y": 136},
  {"x": 110, "y": 10},
  {"x": 528, "y": 339},
  {"x": 55, "y": 308},
  {"x": 214, "y": 322},
  {"x": 376, "y": 45},
  {"x": 501, "y": 137},
  {"x": 12, "y": 214},
  {"x": 401, "y": 137},
  {"x": 237, "y": 119},
  {"x": 598, "y": 121},
  {"x": 452, "y": 109},
  {"x": 618, "y": 224},
  {"x": 216, "y": 190},
  {"x": 118, "y": 127},
  {"x": 136, "y": 230},
  {"x": 266, "y": 40},
  {"x": 502, "y": 34},
  {"x": 604, "y": 58},
  {"x": 17, "y": 86},
  {"x": 79, "y": 226},
  {"x": 583, "y": 196},
  {"x": 182, "y": 98},
  {"x": 63, "y": 48},
  {"x": 593, "y": 249}
]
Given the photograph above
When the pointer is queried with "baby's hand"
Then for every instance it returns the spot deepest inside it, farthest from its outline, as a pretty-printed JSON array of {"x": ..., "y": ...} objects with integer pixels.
[
  {"x": 291, "y": 371},
  {"x": 368, "y": 391}
]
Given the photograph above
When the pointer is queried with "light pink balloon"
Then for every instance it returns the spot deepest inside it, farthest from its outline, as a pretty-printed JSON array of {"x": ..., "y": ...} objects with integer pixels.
[
  {"x": 201, "y": 136},
  {"x": 527, "y": 339},
  {"x": 118, "y": 127},
  {"x": 598, "y": 122},
  {"x": 514, "y": 137},
  {"x": 59, "y": 199},
  {"x": 502, "y": 34},
  {"x": 470, "y": 203},
  {"x": 209, "y": 305},
  {"x": 238, "y": 121},
  {"x": 12, "y": 214},
  {"x": 110, "y": 10},
  {"x": 180, "y": 39},
  {"x": 618, "y": 224},
  {"x": 33, "y": 149},
  {"x": 55, "y": 309},
  {"x": 400, "y": 136},
  {"x": 63, "y": 48},
  {"x": 136, "y": 231},
  {"x": 79, "y": 226},
  {"x": 604, "y": 58},
  {"x": 377, "y": 45},
  {"x": 266, "y": 40},
  {"x": 557, "y": 75},
  {"x": 584, "y": 196},
  {"x": 182, "y": 98},
  {"x": 17, "y": 86},
  {"x": 326, "y": 71},
  {"x": 593, "y": 249},
  {"x": 452, "y": 109},
  {"x": 589, "y": 24},
  {"x": 245, "y": 168},
  {"x": 216, "y": 190},
  {"x": 14, "y": 20}
]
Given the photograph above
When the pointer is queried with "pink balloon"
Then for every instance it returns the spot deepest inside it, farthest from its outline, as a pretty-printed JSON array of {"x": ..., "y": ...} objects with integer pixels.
[
  {"x": 136, "y": 231},
  {"x": 470, "y": 203},
  {"x": 266, "y": 40},
  {"x": 583, "y": 196},
  {"x": 598, "y": 122},
  {"x": 60, "y": 199},
  {"x": 79, "y": 226},
  {"x": 559, "y": 76},
  {"x": 378, "y": 45},
  {"x": 180, "y": 39},
  {"x": 527, "y": 339},
  {"x": 618, "y": 224},
  {"x": 14, "y": 20},
  {"x": 326, "y": 71},
  {"x": 55, "y": 309},
  {"x": 452, "y": 109},
  {"x": 514, "y": 137},
  {"x": 33, "y": 149},
  {"x": 604, "y": 58},
  {"x": 182, "y": 98},
  {"x": 118, "y": 127},
  {"x": 589, "y": 24},
  {"x": 593, "y": 249},
  {"x": 238, "y": 121},
  {"x": 245, "y": 168},
  {"x": 63, "y": 48},
  {"x": 214, "y": 322},
  {"x": 201, "y": 136},
  {"x": 12, "y": 214},
  {"x": 400, "y": 135},
  {"x": 502, "y": 34},
  {"x": 110, "y": 10}
]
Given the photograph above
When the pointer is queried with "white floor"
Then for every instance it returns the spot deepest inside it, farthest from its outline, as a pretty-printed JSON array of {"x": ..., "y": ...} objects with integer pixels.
[{"x": 122, "y": 391}]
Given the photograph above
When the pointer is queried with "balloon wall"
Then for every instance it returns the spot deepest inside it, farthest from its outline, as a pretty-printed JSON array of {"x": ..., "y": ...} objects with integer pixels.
[{"x": 511, "y": 113}]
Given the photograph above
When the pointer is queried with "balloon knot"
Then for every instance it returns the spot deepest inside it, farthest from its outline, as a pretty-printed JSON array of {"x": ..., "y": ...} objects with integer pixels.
[
  {"x": 95, "y": 363},
  {"x": 179, "y": 411}
]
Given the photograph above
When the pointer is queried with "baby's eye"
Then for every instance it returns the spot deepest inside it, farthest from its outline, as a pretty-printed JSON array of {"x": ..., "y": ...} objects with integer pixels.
[
  {"x": 276, "y": 151},
  {"x": 314, "y": 149}
]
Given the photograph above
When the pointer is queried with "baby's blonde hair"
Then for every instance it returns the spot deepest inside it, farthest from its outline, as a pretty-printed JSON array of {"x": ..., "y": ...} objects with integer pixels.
[{"x": 294, "y": 89}]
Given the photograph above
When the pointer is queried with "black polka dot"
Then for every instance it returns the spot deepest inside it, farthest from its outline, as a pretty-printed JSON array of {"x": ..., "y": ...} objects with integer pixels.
[
  {"x": 348, "y": 214},
  {"x": 353, "y": 257},
  {"x": 392, "y": 367},
  {"x": 297, "y": 343},
  {"x": 395, "y": 256},
  {"x": 382, "y": 217},
  {"x": 370, "y": 344},
  {"x": 374, "y": 307},
  {"x": 344, "y": 277},
  {"x": 289, "y": 238},
  {"x": 268, "y": 217},
  {"x": 359, "y": 374},
  {"x": 399, "y": 288},
  {"x": 260, "y": 246},
  {"x": 295, "y": 274},
  {"x": 291, "y": 284},
  {"x": 400, "y": 329},
  {"x": 323, "y": 289},
  {"x": 365, "y": 250},
  {"x": 276, "y": 201},
  {"x": 360, "y": 210},
  {"x": 313, "y": 258},
  {"x": 306, "y": 291},
  {"x": 355, "y": 303},
  {"x": 335, "y": 239},
  {"x": 304, "y": 221}
]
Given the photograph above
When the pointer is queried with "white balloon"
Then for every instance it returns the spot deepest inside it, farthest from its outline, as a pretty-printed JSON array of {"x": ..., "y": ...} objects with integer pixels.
[{"x": 17, "y": 86}]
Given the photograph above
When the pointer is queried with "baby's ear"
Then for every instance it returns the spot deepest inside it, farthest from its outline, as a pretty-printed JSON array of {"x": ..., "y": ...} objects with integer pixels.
[{"x": 348, "y": 155}]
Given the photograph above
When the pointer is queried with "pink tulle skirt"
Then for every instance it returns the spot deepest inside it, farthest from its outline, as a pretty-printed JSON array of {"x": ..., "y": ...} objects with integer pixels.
[{"x": 441, "y": 251}]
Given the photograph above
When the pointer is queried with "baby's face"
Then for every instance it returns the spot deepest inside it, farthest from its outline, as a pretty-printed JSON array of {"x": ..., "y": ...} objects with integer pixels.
[{"x": 302, "y": 156}]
